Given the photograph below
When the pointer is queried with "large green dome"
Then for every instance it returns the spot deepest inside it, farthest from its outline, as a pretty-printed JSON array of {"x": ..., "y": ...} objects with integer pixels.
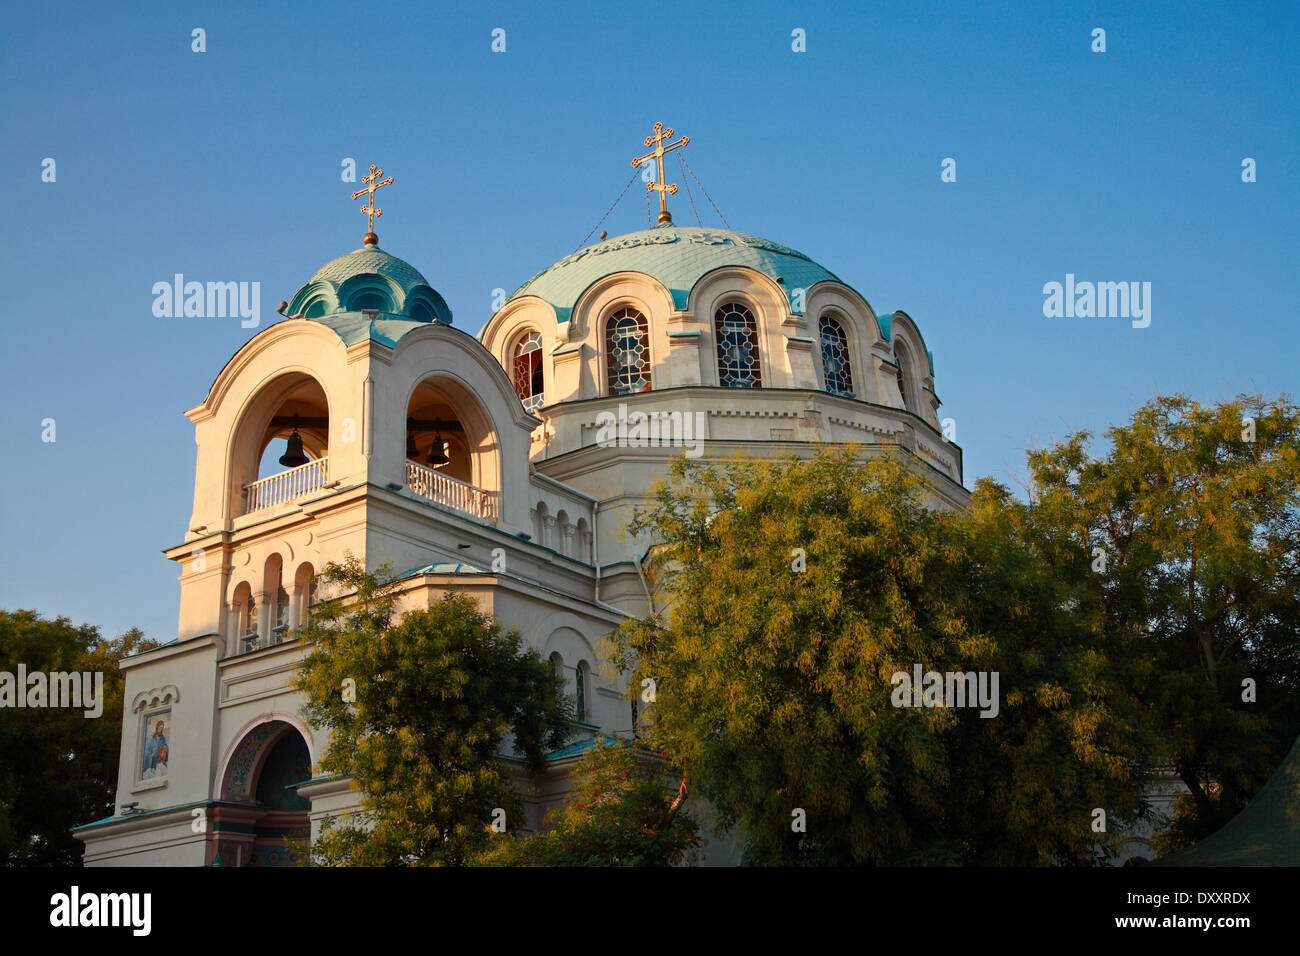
[{"x": 678, "y": 257}]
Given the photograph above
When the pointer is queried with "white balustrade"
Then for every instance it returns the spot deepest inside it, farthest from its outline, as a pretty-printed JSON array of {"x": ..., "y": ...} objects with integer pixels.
[
  {"x": 452, "y": 492},
  {"x": 286, "y": 486}
]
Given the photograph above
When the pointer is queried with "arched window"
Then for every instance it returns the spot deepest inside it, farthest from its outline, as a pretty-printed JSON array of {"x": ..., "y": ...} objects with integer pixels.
[
  {"x": 281, "y": 610},
  {"x": 369, "y": 299},
  {"x": 737, "y": 337},
  {"x": 580, "y": 692},
  {"x": 627, "y": 345},
  {"x": 249, "y": 618},
  {"x": 304, "y": 594},
  {"x": 562, "y": 531},
  {"x": 541, "y": 516},
  {"x": 529, "y": 384},
  {"x": 900, "y": 359},
  {"x": 836, "y": 368},
  {"x": 580, "y": 534}
]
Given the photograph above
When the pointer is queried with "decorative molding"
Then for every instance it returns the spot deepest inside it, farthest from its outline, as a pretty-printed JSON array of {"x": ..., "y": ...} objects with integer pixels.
[{"x": 157, "y": 697}]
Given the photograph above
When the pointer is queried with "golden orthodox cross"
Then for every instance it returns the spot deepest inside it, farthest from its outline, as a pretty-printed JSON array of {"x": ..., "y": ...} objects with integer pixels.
[
  {"x": 665, "y": 189},
  {"x": 369, "y": 193}
]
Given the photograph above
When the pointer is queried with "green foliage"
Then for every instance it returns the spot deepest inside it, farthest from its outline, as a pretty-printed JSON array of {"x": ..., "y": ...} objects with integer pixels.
[
  {"x": 1122, "y": 606},
  {"x": 620, "y": 814},
  {"x": 774, "y": 684},
  {"x": 438, "y": 693},
  {"x": 1201, "y": 529},
  {"x": 58, "y": 768}
]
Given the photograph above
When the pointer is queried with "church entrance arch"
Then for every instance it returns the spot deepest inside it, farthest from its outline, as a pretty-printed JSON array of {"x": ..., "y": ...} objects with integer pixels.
[{"x": 261, "y": 820}]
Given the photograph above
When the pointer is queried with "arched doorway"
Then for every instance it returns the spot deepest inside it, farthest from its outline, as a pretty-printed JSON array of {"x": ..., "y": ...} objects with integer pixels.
[{"x": 262, "y": 820}]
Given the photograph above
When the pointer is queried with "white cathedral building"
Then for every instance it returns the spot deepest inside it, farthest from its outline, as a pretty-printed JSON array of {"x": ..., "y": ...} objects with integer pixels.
[{"x": 481, "y": 464}]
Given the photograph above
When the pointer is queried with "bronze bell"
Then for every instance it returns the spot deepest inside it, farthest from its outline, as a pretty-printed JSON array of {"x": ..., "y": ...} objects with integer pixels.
[
  {"x": 293, "y": 454},
  {"x": 437, "y": 452}
]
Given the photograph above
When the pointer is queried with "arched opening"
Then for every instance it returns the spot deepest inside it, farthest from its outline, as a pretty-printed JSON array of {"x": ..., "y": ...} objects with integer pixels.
[
  {"x": 304, "y": 593},
  {"x": 541, "y": 523},
  {"x": 903, "y": 373},
  {"x": 580, "y": 710},
  {"x": 557, "y": 668},
  {"x": 627, "y": 352},
  {"x": 582, "y": 547},
  {"x": 287, "y": 763},
  {"x": 736, "y": 337},
  {"x": 260, "y": 806},
  {"x": 243, "y": 633},
  {"x": 837, "y": 369},
  {"x": 281, "y": 446},
  {"x": 276, "y": 597},
  {"x": 369, "y": 292},
  {"x": 563, "y": 530},
  {"x": 526, "y": 370},
  {"x": 451, "y": 449}
]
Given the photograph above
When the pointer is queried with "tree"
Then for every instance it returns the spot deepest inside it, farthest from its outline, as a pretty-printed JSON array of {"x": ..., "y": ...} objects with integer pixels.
[
  {"x": 620, "y": 814},
  {"x": 1187, "y": 533},
  {"x": 58, "y": 768},
  {"x": 419, "y": 709},
  {"x": 799, "y": 590}
]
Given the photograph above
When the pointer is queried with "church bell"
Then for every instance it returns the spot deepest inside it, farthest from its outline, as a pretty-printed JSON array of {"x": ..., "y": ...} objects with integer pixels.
[
  {"x": 293, "y": 454},
  {"x": 437, "y": 452}
]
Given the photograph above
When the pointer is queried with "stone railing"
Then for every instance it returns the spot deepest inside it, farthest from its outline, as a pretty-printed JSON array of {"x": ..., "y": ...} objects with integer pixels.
[
  {"x": 432, "y": 485},
  {"x": 287, "y": 485}
]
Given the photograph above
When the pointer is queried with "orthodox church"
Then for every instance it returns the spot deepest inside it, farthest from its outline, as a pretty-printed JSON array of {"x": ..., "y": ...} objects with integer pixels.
[{"x": 505, "y": 466}]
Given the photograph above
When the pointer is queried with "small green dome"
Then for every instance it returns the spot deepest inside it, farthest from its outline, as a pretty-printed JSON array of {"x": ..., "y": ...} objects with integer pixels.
[
  {"x": 370, "y": 280},
  {"x": 678, "y": 257},
  {"x": 370, "y": 260}
]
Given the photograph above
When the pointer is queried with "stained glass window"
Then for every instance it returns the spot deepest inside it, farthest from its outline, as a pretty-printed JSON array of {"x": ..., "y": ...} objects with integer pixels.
[
  {"x": 737, "y": 337},
  {"x": 528, "y": 371},
  {"x": 835, "y": 357},
  {"x": 627, "y": 345}
]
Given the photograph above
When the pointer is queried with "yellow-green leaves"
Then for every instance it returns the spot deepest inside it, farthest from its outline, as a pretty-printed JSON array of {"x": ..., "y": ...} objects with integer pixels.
[{"x": 438, "y": 692}]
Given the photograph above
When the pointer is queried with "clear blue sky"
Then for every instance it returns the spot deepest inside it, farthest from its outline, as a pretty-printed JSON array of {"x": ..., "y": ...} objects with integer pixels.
[{"x": 1122, "y": 166}]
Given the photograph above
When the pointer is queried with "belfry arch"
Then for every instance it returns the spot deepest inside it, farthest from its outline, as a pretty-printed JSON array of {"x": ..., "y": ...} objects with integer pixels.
[
  {"x": 294, "y": 407},
  {"x": 453, "y": 450}
]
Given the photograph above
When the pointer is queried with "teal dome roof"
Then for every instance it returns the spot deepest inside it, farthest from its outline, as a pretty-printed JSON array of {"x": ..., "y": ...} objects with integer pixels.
[
  {"x": 370, "y": 260},
  {"x": 678, "y": 257},
  {"x": 370, "y": 280}
]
